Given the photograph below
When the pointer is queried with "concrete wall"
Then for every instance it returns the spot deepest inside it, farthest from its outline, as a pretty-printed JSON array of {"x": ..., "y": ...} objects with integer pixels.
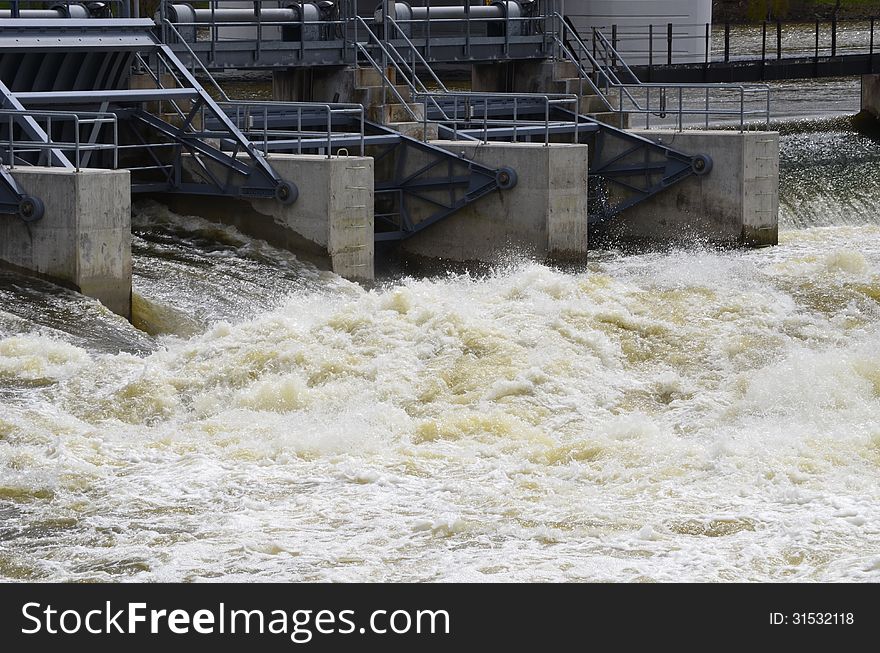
[
  {"x": 544, "y": 215},
  {"x": 871, "y": 95},
  {"x": 522, "y": 76},
  {"x": 331, "y": 222},
  {"x": 315, "y": 84},
  {"x": 84, "y": 239},
  {"x": 737, "y": 203}
]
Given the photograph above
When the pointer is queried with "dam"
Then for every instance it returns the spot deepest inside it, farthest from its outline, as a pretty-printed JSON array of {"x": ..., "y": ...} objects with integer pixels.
[
  {"x": 690, "y": 410},
  {"x": 389, "y": 154}
]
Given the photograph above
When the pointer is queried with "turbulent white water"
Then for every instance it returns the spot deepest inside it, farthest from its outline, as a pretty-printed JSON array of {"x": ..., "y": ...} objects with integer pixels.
[{"x": 691, "y": 415}]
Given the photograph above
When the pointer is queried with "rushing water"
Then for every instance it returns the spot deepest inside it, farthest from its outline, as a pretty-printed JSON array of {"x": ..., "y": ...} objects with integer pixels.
[{"x": 697, "y": 414}]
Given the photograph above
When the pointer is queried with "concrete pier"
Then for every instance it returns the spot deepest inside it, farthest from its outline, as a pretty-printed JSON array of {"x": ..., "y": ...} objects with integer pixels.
[
  {"x": 83, "y": 241},
  {"x": 871, "y": 95},
  {"x": 331, "y": 223},
  {"x": 543, "y": 216},
  {"x": 737, "y": 203}
]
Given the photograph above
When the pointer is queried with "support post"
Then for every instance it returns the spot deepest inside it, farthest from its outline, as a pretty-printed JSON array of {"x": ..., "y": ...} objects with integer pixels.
[
  {"x": 778, "y": 39},
  {"x": 834, "y": 37},
  {"x": 726, "y": 42}
]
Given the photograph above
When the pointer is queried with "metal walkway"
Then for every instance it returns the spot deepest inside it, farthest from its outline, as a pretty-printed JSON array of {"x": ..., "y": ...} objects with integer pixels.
[{"x": 763, "y": 51}]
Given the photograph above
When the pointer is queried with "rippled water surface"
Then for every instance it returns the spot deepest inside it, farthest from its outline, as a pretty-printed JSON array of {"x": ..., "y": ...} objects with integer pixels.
[{"x": 691, "y": 414}]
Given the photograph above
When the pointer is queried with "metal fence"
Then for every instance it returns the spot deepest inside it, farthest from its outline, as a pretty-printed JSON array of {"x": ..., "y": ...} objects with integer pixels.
[
  {"x": 15, "y": 148},
  {"x": 294, "y": 125},
  {"x": 518, "y": 113},
  {"x": 605, "y": 70},
  {"x": 660, "y": 44}
]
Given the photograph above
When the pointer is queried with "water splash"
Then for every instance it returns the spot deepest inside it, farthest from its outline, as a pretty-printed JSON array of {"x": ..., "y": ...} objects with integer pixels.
[{"x": 693, "y": 414}]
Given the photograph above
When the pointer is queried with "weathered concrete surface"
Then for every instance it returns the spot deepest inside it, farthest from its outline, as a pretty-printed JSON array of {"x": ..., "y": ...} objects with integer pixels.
[
  {"x": 737, "y": 203},
  {"x": 418, "y": 130},
  {"x": 871, "y": 95},
  {"x": 349, "y": 85},
  {"x": 543, "y": 216},
  {"x": 316, "y": 84},
  {"x": 331, "y": 222},
  {"x": 84, "y": 239},
  {"x": 522, "y": 76}
]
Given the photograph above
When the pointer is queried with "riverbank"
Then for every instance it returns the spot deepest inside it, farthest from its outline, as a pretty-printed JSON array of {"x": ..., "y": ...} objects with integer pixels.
[{"x": 743, "y": 11}]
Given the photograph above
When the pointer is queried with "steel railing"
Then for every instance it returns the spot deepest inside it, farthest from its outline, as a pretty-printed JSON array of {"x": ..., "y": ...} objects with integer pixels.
[
  {"x": 195, "y": 60},
  {"x": 382, "y": 67},
  {"x": 253, "y": 119},
  {"x": 468, "y": 111},
  {"x": 244, "y": 114},
  {"x": 739, "y": 102},
  {"x": 666, "y": 44},
  {"x": 13, "y": 149}
]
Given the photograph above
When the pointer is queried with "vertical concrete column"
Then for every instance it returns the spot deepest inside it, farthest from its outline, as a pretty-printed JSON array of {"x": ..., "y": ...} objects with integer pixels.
[
  {"x": 871, "y": 95},
  {"x": 544, "y": 215},
  {"x": 350, "y": 240},
  {"x": 83, "y": 240},
  {"x": 736, "y": 203},
  {"x": 334, "y": 210}
]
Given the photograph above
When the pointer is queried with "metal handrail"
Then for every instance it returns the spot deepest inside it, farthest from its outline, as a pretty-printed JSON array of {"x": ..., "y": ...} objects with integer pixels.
[
  {"x": 582, "y": 74},
  {"x": 467, "y": 101},
  {"x": 416, "y": 52},
  {"x": 381, "y": 69},
  {"x": 243, "y": 119},
  {"x": 195, "y": 58},
  {"x": 630, "y": 90},
  {"x": 77, "y": 146},
  {"x": 743, "y": 90}
]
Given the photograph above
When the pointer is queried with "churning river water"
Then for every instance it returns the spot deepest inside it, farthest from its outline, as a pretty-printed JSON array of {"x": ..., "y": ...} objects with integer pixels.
[{"x": 687, "y": 415}]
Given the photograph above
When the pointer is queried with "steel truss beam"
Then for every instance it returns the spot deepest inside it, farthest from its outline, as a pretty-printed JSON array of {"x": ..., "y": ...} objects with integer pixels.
[
  {"x": 416, "y": 184},
  {"x": 86, "y": 56},
  {"x": 625, "y": 168}
]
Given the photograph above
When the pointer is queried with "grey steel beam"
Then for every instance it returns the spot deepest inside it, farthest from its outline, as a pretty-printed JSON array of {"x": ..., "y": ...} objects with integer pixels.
[
  {"x": 31, "y": 128},
  {"x": 78, "y": 97}
]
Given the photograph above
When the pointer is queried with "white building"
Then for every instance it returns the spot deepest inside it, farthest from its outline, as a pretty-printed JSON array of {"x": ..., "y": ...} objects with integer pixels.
[{"x": 633, "y": 18}]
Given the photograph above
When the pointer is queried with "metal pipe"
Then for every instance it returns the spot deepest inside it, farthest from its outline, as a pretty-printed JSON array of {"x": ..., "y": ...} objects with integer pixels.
[
  {"x": 455, "y": 13},
  {"x": 61, "y": 11},
  {"x": 244, "y": 15}
]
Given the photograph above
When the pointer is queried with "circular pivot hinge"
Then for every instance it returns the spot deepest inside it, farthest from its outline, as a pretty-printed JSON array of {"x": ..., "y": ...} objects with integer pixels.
[
  {"x": 31, "y": 209},
  {"x": 701, "y": 164},
  {"x": 286, "y": 193},
  {"x": 505, "y": 178}
]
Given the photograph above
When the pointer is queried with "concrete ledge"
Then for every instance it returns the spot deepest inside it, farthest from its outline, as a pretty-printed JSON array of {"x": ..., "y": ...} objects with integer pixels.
[
  {"x": 737, "y": 203},
  {"x": 544, "y": 215},
  {"x": 84, "y": 239}
]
